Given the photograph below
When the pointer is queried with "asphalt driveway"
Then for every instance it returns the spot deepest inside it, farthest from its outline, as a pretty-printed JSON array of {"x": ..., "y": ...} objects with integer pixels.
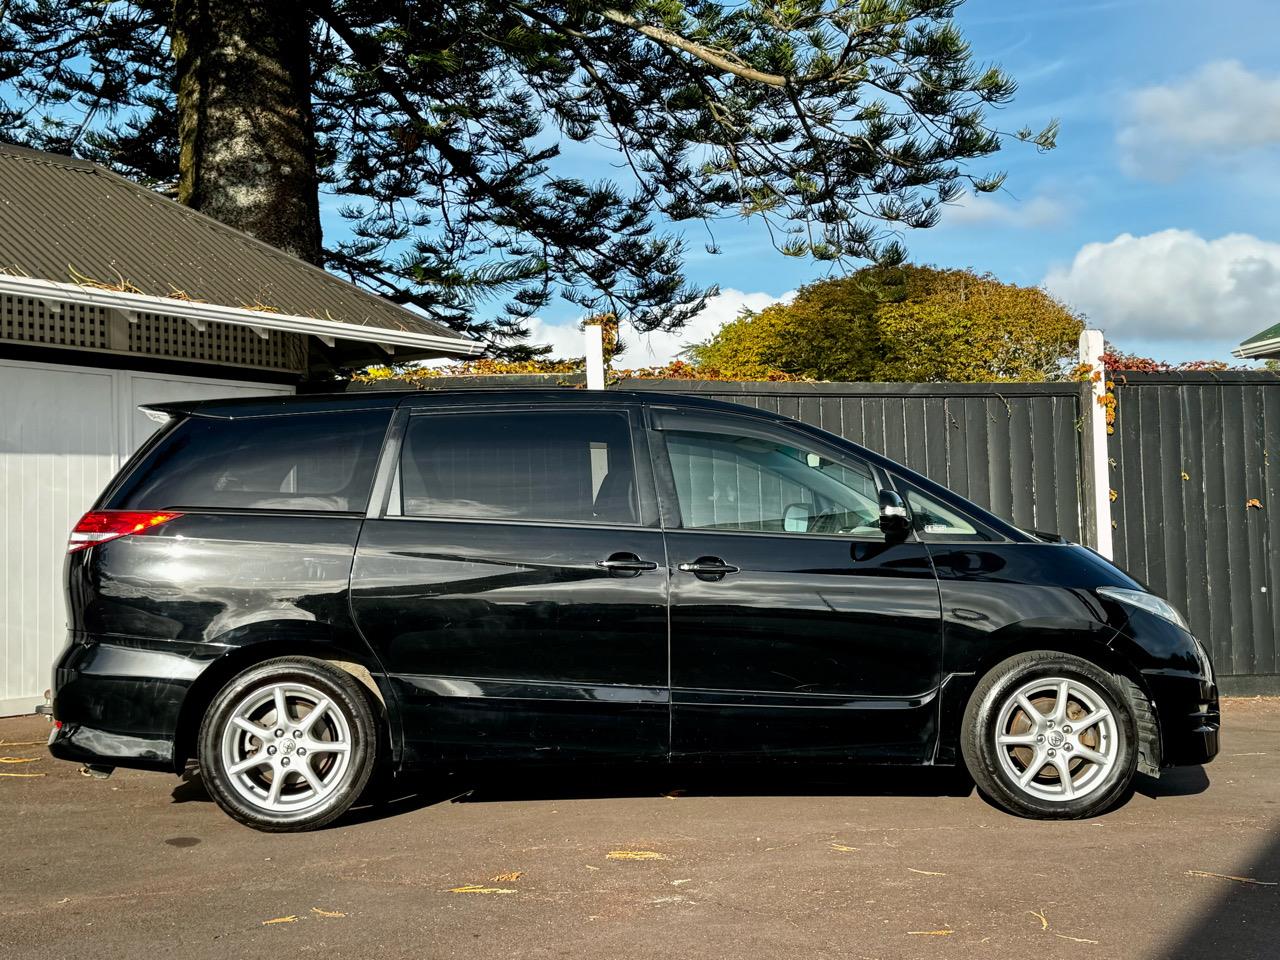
[{"x": 761, "y": 864}]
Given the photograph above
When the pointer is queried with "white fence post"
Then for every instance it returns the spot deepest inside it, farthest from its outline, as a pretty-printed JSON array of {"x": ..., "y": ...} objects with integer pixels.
[
  {"x": 1097, "y": 463},
  {"x": 594, "y": 334}
]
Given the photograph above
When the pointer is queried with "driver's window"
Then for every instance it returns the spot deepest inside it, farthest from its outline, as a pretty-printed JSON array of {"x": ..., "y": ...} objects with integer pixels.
[{"x": 754, "y": 485}]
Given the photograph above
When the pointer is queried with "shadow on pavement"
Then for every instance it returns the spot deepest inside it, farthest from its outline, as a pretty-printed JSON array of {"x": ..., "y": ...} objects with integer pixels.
[
  {"x": 1243, "y": 922},
  {"x": 585, "y": 782},
  {"x": 1174, "y": 782}
]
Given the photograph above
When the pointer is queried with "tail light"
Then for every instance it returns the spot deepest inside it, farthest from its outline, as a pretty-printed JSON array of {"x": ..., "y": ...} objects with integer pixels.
[{"x": 99, "y": 526}]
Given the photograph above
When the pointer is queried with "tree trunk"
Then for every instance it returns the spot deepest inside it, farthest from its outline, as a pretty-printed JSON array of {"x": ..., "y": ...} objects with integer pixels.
[{"x": 245, "y": 127}]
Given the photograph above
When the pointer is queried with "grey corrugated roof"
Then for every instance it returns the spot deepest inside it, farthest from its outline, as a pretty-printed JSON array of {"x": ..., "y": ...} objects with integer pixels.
[{"x": 60, "y": 217}]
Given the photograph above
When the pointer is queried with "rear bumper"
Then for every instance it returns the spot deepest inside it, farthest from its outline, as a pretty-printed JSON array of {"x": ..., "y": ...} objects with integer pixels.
[{"x": 117, "y": 702}]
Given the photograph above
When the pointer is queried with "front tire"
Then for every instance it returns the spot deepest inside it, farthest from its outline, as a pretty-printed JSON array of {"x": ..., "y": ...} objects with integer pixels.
[
  {"x": 288, "y": 745},
  {"x": 1051, "y": 736}
]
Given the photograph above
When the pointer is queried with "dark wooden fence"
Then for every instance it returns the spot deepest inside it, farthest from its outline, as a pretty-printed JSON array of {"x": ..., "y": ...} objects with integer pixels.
[{"x": 1197, "y": 508}]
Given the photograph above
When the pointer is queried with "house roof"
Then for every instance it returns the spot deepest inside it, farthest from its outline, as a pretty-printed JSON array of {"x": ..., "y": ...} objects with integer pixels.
[
  {"x": 75, "y": 223},
  {"x": 1262, "y": 345}
]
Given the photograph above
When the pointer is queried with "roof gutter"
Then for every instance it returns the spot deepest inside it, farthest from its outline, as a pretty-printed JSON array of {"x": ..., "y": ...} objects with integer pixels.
[
  {"x": 197, "y": 313},
  {"x": 1258, "y": 350}
]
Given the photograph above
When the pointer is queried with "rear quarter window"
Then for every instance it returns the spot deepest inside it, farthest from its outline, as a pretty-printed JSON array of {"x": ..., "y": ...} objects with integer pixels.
[{"x": 306, "y": 462}]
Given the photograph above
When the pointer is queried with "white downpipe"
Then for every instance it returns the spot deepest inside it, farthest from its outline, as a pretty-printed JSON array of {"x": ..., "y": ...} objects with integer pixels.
[
  {"x": 594, "y": 335},
  {"x": 1092, "y": 346}
]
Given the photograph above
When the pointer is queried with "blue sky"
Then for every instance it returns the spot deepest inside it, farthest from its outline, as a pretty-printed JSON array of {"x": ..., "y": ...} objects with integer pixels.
[{"x": 1157, "y": 213}]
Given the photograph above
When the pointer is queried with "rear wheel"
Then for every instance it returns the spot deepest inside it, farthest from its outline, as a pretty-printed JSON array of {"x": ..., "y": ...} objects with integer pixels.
[
  {"x": 1051, "y": 736},
  {"x": 288, "y": 745}
]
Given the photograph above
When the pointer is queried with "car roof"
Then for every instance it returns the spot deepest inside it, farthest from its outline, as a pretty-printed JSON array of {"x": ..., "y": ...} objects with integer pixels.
[{"x": 242, "y": 407}]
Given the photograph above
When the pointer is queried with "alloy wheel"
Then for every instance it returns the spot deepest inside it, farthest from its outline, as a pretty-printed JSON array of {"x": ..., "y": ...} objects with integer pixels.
[
  {"x": 1057, "y": 739},
  {"x": 286, "y": 747}
]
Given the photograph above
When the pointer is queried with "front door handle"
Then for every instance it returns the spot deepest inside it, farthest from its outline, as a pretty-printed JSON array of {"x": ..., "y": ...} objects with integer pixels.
[
  {"x": 708, "y": 568},
  {"x": 626, "y": 564}
]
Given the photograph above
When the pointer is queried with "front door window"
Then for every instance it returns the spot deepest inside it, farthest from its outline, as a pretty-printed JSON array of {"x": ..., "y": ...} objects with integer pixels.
[{"x": 748, "y": 484}]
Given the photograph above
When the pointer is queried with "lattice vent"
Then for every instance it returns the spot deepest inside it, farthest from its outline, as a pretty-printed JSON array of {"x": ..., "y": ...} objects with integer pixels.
[
  {"x": 158, "y": 335},
  {"x": 74, "y": 325}
]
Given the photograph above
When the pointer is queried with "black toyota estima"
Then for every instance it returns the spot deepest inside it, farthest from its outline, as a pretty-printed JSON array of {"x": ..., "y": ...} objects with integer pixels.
[{"x": 295, "y": 592}]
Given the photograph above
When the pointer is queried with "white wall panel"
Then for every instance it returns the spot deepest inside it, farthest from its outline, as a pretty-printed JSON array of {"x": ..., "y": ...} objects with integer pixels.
[{"x": 64, "y": 431}]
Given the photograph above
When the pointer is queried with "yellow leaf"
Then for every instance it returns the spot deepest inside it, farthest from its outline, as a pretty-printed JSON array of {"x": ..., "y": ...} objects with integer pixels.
[
  {"x": 327, "y": 913},
  {"x": 930, "y": 933},
  {"x": 476, "y": 888},
  {"x": 926, "y": 873},
  {"x": 292, "y": 918},
  {"x": 511, "y": 877},
  {"x": 27, "y": 776},
  {"x": 635, "y": 855},
  {"x": 841, "y": 848},
  {"x": 18, "y": 759},
  {"x": 1044, "y": 922}
]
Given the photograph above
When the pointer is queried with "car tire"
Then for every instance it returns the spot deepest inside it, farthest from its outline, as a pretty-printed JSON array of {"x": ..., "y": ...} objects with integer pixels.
[
  {"x": 296, "y": 775},
  {"x": 1075, "y": 758}
]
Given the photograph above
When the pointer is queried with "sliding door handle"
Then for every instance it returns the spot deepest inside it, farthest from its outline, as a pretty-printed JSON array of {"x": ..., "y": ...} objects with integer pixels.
[
  {"x": 626, "y": 563},
  {"x": 708, "y": 568}
]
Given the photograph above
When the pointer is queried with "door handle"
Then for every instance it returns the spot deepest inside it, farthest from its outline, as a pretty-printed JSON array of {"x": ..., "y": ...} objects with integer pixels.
[
  {"x": 626, "y": 563},
  {"x": 708, "y": 568}
]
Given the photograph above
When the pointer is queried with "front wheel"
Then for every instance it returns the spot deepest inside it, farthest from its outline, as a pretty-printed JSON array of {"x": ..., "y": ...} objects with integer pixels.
[
  {"x": 1051, "y": 736},
  {"x": 288, "y": 745}
]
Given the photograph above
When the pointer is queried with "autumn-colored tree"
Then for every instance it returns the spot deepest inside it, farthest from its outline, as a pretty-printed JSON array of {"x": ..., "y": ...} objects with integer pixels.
[{"x": 908, "y": 323}]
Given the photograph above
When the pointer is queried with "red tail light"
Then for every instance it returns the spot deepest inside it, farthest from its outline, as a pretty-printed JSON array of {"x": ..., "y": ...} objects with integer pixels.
[{"x": 99, "y": 526}]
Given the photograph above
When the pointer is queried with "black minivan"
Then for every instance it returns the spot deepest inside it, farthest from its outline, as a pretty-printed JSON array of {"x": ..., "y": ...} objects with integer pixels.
[{"x": 295, "y": 592}]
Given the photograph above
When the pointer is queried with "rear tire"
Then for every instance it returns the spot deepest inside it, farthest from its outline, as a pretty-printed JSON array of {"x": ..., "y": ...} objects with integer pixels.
[
  {"x": 288, "y": 745},
  {"x": 1051, "y": 736}
]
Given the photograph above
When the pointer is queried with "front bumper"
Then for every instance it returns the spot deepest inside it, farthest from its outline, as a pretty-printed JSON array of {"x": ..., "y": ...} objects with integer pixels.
[{"x": 1190, "y": 721}]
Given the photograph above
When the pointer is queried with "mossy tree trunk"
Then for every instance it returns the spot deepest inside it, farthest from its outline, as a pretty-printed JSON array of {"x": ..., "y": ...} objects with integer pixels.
[{"x": 245, "y": 126}]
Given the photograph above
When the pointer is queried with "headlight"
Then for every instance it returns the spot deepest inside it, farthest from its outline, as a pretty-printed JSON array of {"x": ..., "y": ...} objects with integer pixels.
[{"x": 1145, "y": 601}]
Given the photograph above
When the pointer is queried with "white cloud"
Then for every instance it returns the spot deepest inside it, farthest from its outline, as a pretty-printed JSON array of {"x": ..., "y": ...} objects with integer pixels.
[
  {"x": 1174, "y": 286},
  {"x": 1220, "y": 111},
  {"x": 980, "y": 208},
  {"x": 656, "y": 349}
]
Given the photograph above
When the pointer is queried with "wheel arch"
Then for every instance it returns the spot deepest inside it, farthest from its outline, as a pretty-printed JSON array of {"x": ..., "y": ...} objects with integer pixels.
[
  {"x": 236, "y": 660},
  {"x": 1087, "y": 644}
]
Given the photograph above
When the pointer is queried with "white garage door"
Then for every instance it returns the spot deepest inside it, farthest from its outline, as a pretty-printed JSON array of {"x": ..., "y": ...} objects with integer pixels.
[{"x": 64, "y": 431}]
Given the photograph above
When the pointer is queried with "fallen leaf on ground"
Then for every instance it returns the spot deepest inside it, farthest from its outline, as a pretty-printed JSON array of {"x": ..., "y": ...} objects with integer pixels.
[
  {"x": 18, "y": 759},
  {"x": 1227, "y": 876},
  {"x": 926, "y": 873},
  {"x": 511, "y": 877},
  {"x": 476, "y": 888},
  {"x": 22, "y": 743},
  {"x": 676, "y": 883},
  {"x": 65, "y": 900},
  {"x": 327, "y": 913},
  {"x": 635, "y": 855},
  {"x": 841, "y": 848},
  {"x": 1044, "y": 921},
  {"x": 27, "y": 776},
  {"x": 930, "y": 933},
  {"x": 292, "y": 918},
  {"x": 1063, "y": 936}
]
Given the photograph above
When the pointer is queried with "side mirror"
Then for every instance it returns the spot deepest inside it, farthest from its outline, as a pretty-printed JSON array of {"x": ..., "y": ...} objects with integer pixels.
[
  {"x": 894, "y": 519},
  {"x": 796, "y": 517}
]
